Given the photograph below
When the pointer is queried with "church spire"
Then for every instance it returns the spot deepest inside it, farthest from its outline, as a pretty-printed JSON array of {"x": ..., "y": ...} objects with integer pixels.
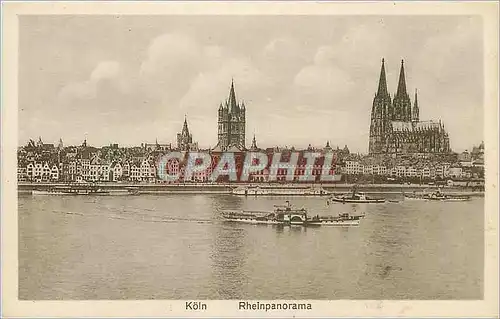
[
  {"x": 415, "y": 111},
  {"x": 402, "y": 81},
  {"x": 185, "y": 129},
  {"x": 382, "y": 82},
  {"x": 233, "y": 106},
  {"x": 254, "y": 143}
]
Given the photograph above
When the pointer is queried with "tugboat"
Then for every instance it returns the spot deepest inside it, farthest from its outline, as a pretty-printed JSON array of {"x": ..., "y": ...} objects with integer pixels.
[
  {"x": 356, "y": 197},
  {"x": 287, "y": 215}
]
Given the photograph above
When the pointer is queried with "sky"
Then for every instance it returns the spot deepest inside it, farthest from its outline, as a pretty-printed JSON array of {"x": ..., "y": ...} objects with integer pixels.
[{"x": 304, "y": 79}]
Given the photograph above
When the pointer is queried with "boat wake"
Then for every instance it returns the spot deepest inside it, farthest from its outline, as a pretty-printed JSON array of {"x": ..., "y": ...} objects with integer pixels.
[{"x": 144, "y": 218}]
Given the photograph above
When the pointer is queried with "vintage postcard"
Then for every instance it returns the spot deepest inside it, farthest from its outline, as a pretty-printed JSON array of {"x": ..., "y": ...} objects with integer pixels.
[{"x": 250, "y": 159}]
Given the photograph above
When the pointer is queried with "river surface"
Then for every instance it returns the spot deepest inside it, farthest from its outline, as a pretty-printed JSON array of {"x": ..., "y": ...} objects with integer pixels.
[{"x": 177, "y": 247}]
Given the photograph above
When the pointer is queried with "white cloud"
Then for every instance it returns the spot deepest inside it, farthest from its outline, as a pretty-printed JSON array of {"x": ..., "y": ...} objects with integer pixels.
[
  {"x": 105, "y": 70},
  {"x": 170, "y": 50},
  {"x": 323, "y": 84},
  {"x": 210, "y": 89},
  {"x": 87, "y": 89}
]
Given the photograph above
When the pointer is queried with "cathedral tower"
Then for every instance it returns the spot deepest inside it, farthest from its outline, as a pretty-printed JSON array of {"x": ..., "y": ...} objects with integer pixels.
[
  {"x": 381, "y": 110},
  {"x": 402, "y": 103},
  {"x": 231, "y": 122},
  {"x": 396, "y": 128}
]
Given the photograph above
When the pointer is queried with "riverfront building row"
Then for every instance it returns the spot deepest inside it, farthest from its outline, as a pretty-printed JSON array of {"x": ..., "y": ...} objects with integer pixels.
[{"x": 45, "y": 163}]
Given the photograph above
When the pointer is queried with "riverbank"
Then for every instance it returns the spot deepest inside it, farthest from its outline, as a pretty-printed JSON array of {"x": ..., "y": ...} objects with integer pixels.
[{"x": 209, "y": 188}]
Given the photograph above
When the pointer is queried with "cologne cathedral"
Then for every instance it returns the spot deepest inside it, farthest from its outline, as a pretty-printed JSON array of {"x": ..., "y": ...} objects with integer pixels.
[
  {"x": 231, "y": 121},
  {"x": 396, "y": 127}
]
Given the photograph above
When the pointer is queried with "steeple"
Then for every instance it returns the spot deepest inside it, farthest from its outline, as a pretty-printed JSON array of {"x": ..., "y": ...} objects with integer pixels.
[
  {"x": 254, "y": 143},
  {"x": 185, "y": 129},
  {"x": 184, "y": 138},
  {"x": 415, "y": 111},
  {"x": 381, "y": 114},
  {"x": 382, "y": 82},
  {"x": 402, "y": 81},
  {"x": 401, "y": 110},
  {"x": 233, "y": 106}
]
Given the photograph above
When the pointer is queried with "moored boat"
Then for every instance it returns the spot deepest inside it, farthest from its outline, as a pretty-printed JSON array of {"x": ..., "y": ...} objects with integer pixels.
[
  {"x": 87, "y": 190},
  {"x": 52, "y": 192},
  {"x": 265, "y": 190}
]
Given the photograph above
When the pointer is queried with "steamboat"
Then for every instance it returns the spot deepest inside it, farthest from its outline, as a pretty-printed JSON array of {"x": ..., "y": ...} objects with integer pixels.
[
  {"x": 356, "y": 197},
  {"x": 287, "y": 215},
  {"x": 293, "y": 190},
  {"x": 436, "y": 196}
]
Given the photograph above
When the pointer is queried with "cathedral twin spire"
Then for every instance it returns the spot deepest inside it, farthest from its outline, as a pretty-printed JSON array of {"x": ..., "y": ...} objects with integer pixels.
[
  {"x": 401, "y": 109},
  {"x": 382, "y": 82},
  {"x": 402, "y": 82},
  {"x": 395, "y": 127}
]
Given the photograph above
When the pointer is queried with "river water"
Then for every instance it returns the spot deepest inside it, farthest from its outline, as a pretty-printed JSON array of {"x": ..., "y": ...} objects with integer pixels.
[{"x": 176, "y": 247}]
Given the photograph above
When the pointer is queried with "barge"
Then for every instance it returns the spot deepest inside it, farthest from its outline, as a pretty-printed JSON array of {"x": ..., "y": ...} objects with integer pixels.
[{"x": 268, "y": 190}]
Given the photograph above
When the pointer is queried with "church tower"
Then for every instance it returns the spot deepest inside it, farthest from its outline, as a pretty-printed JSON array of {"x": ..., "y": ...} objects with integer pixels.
[
  {"x": 231, "y": 123},
  {"x": 184, "y": 138},
  {"x": 380, "y": 118},
  {"x": 402, "y": 103}
]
